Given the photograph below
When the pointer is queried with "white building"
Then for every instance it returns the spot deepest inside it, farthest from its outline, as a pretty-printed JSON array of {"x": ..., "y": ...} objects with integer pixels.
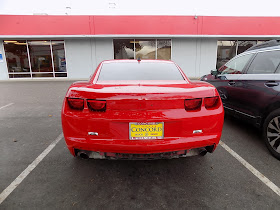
[{"x": 71, "y": 46}]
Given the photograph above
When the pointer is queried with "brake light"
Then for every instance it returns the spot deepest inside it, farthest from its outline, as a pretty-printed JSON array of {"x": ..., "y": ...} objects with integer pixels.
[
  {"x": 76, "y": 103},
  {"x": 193, "y": 104},
  {"x": 211, "y": 102},
  {"x": 96, "y": 105}
]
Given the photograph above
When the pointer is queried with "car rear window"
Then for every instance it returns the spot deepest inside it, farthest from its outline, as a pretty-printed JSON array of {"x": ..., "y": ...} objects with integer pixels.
[{"x": 139, "y": 71}]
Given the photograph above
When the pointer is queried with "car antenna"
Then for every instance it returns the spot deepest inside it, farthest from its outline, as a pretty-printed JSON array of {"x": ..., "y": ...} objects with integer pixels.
[{"x": 139, "y": 59}]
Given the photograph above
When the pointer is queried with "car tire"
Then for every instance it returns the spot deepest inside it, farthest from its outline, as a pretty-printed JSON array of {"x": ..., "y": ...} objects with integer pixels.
[{"x": 271, "y": 133}]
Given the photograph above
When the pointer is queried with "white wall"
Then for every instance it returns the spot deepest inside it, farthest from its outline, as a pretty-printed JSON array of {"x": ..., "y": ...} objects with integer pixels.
[
  {"x": 83, "y": 55},
  {"x": 184, "y": 54},
  {"x": 208, "y": 56},
  {"x": 3, "y": 65},
  {"x": 195, "y": 56},
  {"x": 79, "y": 63},
  {"x": 104, "y": 49}
]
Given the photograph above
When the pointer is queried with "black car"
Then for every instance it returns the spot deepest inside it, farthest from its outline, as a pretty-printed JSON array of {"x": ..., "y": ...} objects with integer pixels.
[{"x": 249, "y": 85}]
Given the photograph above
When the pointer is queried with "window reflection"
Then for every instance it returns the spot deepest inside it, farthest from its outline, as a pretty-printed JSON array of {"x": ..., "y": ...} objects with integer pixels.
[
  {"x": 265, "y": 63},
  {"x": 145, "y": 49},
  {"x": 226, "y": 51},
  {"x": 236, "y": 65},
  {"x": 59, "y": 60},
  {"x": 17, "y": 58},
  {"x": 38, "y": 53},
  {"x": 261, "y": 41},
  {"x": 244, "y": 45},
  {"x": 124, "y": 49},
  {"x": 164, "y": 49},
  {"x": 40, "y": 56}
]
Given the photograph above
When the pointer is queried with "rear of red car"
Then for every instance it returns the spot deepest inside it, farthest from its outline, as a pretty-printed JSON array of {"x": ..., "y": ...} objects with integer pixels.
[{"x": 138, "y": 115}]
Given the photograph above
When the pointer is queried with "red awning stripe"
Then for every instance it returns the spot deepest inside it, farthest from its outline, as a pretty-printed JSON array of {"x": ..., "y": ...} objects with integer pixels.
[{"x": 45, "y": 25}]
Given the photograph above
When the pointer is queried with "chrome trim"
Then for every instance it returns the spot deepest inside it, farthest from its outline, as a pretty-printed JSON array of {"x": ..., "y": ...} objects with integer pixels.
[
  {"x": 246, "y": 114},
  {"x": 240, "y": 112},
  {"x": 92, "y": 133},
  {"x": 197, "y": 131}
]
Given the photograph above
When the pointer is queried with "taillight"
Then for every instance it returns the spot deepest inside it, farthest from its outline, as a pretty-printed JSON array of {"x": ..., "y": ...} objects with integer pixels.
[
  {"x": 193, "y": 104},
  {"x": 76, "y": 103},
  {"x": 211, "y": 102},
  {"x": 96, "y": 105}
]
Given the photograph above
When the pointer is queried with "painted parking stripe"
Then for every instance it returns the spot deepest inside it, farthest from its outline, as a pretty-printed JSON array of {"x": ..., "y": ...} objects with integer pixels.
[
  {"x": 254, "y": 171},
  {"x": 2, "y": 107},
  {"x": 28, "y": 170}
]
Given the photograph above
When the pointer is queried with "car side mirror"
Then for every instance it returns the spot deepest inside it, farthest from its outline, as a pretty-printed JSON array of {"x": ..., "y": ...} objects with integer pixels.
[{"x": 214, "y": 72}]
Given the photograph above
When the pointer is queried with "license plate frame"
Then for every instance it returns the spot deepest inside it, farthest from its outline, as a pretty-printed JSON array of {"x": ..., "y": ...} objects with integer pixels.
[{"x": 145, "y": 134}]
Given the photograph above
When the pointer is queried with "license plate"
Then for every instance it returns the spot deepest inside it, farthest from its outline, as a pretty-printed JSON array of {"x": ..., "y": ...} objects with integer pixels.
[{"x": 151, "y": 130}]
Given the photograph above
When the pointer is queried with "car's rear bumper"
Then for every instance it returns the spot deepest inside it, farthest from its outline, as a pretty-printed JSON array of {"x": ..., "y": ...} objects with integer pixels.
[
  {"x": 166, "y": 145},
  {"x": 130, "y": 156}
]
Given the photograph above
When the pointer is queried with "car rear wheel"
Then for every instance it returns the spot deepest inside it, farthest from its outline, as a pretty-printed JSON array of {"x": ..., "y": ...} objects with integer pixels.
[{"x": 271, "y": 133}]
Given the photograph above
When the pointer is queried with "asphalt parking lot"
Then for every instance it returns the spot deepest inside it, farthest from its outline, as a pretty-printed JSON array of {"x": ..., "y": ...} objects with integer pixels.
[{"x": 30, "y": 122}]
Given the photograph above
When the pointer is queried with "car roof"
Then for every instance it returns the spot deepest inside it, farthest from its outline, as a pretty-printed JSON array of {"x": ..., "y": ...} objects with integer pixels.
[
  {"x": 262, "y": 49},
  {"x": 266, "y": 48},
  {"x": 136, "y": 61}
]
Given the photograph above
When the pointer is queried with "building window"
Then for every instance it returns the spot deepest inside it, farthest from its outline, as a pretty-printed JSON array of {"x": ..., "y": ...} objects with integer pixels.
[
  {"x": 35, "y": 58},
  {"x": 17, "y": 59},
  {"x": 143, "y": 48},
  {"x": 228, "y": 49},
  {"x": 164, "y": 49},
  {"x": 242, "y": 46},
  {"x": 59, "y": 61},
  {"x": 40, "y": 58},
  {"x": 124, "y": 49}
]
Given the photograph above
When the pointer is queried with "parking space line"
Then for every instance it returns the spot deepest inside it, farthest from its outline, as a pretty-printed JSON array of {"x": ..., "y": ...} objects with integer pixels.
[
  {"x": 2, "y": 107},
  {"x": 254, "y": 171},
  {"x": 28, "y": 170}
]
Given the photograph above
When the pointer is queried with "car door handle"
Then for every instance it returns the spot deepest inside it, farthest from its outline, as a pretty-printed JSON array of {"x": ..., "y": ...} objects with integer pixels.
[
  {"x": 231, "y": 83},
  {"x": 271, "y": 84}
]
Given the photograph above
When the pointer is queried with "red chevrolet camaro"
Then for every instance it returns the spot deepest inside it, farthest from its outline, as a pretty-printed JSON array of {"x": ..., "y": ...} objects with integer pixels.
[{"x": 145, "y": 109}]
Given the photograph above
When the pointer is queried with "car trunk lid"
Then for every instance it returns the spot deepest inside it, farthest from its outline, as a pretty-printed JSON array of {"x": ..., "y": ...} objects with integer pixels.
[{"x": 143, "y": 95}]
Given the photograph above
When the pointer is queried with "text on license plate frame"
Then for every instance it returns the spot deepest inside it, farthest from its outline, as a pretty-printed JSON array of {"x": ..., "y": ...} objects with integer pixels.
[{"x": 138, "y": 130}]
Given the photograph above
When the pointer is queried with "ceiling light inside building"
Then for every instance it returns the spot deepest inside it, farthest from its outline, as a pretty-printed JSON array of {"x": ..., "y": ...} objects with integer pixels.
[{"x": 10, "y": 41}]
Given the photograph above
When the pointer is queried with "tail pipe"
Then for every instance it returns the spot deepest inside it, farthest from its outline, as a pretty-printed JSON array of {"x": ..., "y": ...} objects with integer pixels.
[{"x": 83, "y": 155}]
